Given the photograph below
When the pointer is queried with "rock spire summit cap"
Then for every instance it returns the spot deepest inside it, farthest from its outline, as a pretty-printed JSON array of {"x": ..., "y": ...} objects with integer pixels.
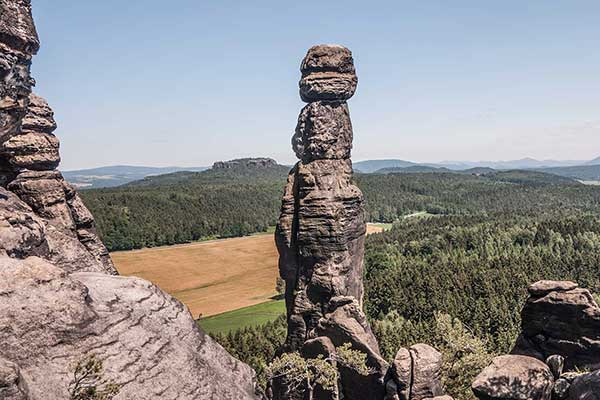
[{"x": 327, "y": 74}]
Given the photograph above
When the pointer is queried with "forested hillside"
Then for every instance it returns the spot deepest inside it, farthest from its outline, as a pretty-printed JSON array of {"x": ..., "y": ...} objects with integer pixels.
[
  {"x": 183, "y": 207},
  {"x": 477, "y": 268},
  {"x": 458, "y": 283}
]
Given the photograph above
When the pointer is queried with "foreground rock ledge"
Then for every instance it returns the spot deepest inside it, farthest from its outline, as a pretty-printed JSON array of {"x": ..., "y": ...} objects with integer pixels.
[{"x": 147, "y": 340}]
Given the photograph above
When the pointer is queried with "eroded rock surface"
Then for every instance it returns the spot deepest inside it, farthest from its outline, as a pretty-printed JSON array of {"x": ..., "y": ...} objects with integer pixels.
[
  {"x": 585, "y": 387},
  {"x": 59, "y": 299},
  {"x": 560, "y": 324},
  {"x": 327, "y": 74},
  {"x": 514, "y": 377},
  {"x": 320, "y": 238},
  {"x": 415, "y": 374},
  {"x": 147, "y": 340},
  {"x": 563, "y": 319},
  {"x": 426, "y": 375},
  {"x": 321, "y": 231},
  {"x": 35, "y": 148}
]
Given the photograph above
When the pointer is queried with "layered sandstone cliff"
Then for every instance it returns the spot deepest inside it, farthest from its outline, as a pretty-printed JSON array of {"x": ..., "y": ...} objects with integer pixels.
[
  {"x": 320, "y": 237},
  {"x": 60, "y": 300}
]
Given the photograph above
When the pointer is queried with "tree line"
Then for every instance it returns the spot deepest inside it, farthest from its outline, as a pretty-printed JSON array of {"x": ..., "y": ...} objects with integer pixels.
[{"x": 183, "y": 207}]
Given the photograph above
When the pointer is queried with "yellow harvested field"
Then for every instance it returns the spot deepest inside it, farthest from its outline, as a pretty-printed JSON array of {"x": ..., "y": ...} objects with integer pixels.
[
  {"x": 211, "y": 277},
  {"x": 374, "y": 229}
]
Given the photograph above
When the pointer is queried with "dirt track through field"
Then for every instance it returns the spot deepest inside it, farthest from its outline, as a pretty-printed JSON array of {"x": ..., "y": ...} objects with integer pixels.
[{"x": 210, "y": 277}]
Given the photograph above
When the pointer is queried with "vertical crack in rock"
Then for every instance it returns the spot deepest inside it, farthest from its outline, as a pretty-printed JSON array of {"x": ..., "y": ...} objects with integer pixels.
[{"x": 321, "y": 231}]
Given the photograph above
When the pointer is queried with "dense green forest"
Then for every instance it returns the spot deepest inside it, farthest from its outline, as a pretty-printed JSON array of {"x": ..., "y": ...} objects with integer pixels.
[
  {"x": 188, "y": 206},
  {"x": 457, "y": 282},
  {"x": 456, "y": 278}
]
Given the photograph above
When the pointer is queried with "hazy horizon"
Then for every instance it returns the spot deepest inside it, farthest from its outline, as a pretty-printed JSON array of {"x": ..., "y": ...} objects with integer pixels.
[
  {"x": 137, "y": 83},
  {"x": 294, "y": 161}
]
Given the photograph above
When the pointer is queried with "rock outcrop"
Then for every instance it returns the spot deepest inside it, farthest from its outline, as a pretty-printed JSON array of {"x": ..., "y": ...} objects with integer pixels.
[
  {"x": 320, "y": 238},
  {"x": 60, "y": 299},
  {"x": 321, "y": 230},
  {"x": 514, "y": 377},
  {"x": 246, "y": 163},
  {"x": 560, "y": 337},
  {"x": 415, "y": 374},
  {"x": 561, "y": 318},
  {"x": 29, "y": 154},
  {"x": 148, "y": 341}
]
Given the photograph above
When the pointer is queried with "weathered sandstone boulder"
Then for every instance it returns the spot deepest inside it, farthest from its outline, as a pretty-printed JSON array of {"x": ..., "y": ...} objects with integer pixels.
[
  {"x": 560, "y": 318},
  {"x": 32, "y": 150},
  {"x": 327, "y": 74},
  {"x": 514, "y": 377},
  {"x": 416, "y": 374},
  {"x": 401, "y": 373},
  {"x": 426, "y": 375},
  {"x": 324, "y": 131},
  {"x": 585, "y": 387},
  {"x": 147, "y": 340},
  {"x": 70, "y": 235}
]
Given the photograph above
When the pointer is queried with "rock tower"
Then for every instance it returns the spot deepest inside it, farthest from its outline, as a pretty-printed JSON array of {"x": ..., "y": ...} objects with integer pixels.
[
  {"x": 60, "y": 300},
  {"x": 58, "y": 227},
  {"x": 321, "y": 230}
]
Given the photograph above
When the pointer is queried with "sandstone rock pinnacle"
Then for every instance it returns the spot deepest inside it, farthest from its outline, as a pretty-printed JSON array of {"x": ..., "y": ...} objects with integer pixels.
[{"x": 321, "y": 230}]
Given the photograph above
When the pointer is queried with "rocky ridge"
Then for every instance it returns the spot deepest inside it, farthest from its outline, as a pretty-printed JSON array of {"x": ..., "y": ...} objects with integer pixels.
[
  {"x": 61, "y": 299},
  {"x": 557, "y": 349},
  {"x": 246, "y": 163},
  {"x": 320, "y": 238}
]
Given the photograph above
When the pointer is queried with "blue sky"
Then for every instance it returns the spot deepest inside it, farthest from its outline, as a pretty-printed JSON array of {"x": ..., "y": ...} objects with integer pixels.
[{"x": 148, "y": 82}]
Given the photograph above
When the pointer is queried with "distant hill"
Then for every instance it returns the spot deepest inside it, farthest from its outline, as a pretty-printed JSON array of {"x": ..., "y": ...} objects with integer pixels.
[
  {"x": 370, "y": 166},
  {"x": 412, "y": 169},
  {"x": 244, "y": 170},
  {"x": 528, "y": 177},
  {"x": 242, "y": 197},
  {"x": 581, "y": 172},
  {"x": 117, "y": 175},
  {"x": 595, "y": 161},
  {"x": 520, "y": 176}
]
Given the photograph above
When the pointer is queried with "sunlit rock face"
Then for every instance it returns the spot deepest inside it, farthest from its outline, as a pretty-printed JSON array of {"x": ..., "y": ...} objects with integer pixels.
[
  {"x": 29, "y": 156},
  {"x": 321, "y": 230},
  {"x": 557, "y": 354},
  {"x": 60, "y": 300}
]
